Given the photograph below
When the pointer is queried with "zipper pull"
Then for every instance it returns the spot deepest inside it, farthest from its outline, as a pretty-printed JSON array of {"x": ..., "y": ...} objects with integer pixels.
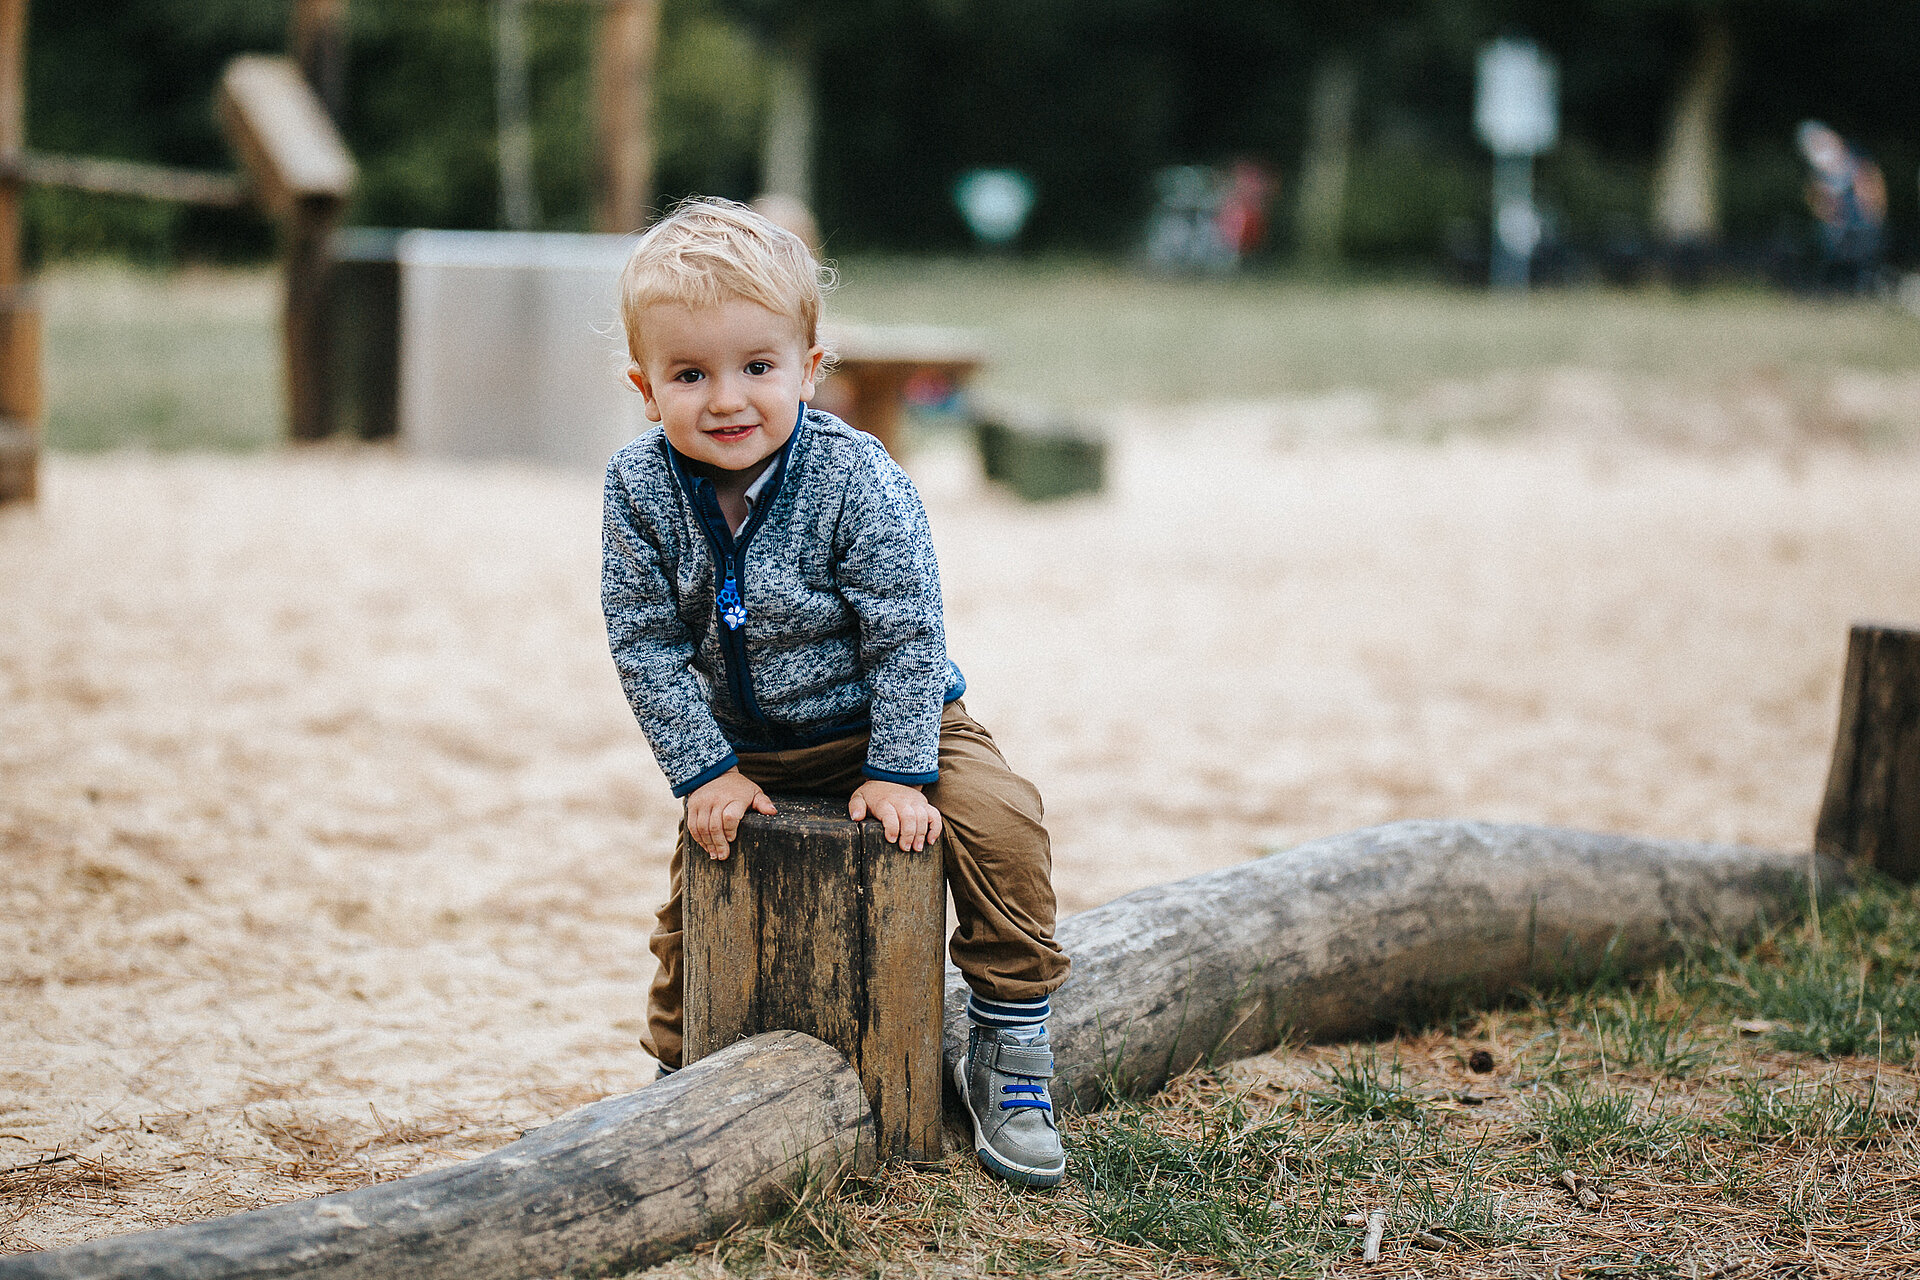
[{"x": 733, "y": 610}]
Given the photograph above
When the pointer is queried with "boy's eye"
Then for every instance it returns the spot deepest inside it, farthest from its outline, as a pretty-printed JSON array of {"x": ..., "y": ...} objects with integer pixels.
[
  {"x": 687, "y": 375},
  {"x": 758, "y": 368}
]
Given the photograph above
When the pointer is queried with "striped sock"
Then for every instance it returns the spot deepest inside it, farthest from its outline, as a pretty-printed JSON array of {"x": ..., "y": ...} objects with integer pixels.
[{"x": 1017, "y": 1015}]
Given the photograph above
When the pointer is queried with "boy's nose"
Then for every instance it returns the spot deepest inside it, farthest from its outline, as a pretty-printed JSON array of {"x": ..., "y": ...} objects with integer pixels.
[{"x": 727, "y": 395}]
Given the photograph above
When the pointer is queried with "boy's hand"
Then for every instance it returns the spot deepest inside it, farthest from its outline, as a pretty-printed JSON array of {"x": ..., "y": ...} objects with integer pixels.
[
  {"x": 904, "y": 813},
  {"x": 714, "y": 811}
]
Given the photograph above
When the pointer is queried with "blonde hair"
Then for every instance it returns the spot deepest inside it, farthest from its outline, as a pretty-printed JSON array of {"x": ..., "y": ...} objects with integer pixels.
[{"x": 708, "y": 251}]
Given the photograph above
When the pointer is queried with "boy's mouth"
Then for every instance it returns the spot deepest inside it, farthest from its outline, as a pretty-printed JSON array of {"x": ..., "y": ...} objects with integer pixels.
[{"x": 732, "y": 433}]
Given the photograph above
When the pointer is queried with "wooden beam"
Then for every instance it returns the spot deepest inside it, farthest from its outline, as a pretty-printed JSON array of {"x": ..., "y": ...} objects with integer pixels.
[
  {"x": 604, "y": 1190},
  {"x": 302, "y": 172},
  {"x": 1871, "y": 810},
  {"x": 623, "y": 57},
  {"x": 284, "y": 137},
  {"x": 816, "y": 923},
  {"x": 124, "y": 178}
]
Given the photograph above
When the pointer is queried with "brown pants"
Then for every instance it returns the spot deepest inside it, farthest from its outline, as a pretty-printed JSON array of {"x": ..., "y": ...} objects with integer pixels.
[{"x": 994, "y": 851}]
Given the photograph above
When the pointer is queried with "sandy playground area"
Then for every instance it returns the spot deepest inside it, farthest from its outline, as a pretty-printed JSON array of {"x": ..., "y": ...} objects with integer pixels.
[{"x": 328, "y": 847}]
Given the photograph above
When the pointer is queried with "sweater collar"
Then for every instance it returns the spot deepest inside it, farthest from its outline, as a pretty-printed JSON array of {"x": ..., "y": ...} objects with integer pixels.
[{"x": 697, "y": 486}]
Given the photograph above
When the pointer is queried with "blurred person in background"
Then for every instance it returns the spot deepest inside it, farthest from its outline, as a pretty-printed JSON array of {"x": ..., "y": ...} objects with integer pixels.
[
  {"x": 1241, "y": 220},
  {"x": 1848, "y": 196}
]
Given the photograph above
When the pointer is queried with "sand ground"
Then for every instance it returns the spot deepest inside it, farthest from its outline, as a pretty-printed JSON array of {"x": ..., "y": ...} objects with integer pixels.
[{"x": 328, "y": 847}]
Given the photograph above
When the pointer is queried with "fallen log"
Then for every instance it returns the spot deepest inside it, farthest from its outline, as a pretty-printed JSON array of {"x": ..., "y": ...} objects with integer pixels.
[
  {"x": 1358, "y": 932},
  {"x": 1339, "y": 937},
  {"x": 620, "y": 1184}
]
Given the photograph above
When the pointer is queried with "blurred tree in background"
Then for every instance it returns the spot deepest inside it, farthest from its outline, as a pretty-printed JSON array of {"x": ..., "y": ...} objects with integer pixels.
[{"x": 1677, "y": 114}]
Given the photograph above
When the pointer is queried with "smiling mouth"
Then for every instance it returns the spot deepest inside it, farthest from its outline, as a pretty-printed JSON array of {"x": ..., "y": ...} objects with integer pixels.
[{"x": 732, "y": 433}]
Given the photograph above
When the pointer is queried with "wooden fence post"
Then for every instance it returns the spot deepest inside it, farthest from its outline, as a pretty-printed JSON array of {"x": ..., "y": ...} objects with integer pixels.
[
  {"x": 303, "y": 175},
  {"x": 19, "y": 317},
  {"x": 817, "y": 924},
  {"x": 1871, "y": 811}
]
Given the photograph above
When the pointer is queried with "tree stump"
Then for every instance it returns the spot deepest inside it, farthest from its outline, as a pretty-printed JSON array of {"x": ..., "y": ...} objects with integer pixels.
[
  {"x": 817, "y": 924},
  {"x": 1871, "y": 812}
]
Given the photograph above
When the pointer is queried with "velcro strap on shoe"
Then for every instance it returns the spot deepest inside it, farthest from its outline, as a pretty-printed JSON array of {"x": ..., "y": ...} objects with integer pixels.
[{"x": 1014, "y": 1060}]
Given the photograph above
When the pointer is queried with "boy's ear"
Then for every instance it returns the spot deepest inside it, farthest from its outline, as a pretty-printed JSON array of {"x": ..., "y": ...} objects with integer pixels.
[
  {"x": 810, "y": 371},
  {"x": 638, "y": 377}
]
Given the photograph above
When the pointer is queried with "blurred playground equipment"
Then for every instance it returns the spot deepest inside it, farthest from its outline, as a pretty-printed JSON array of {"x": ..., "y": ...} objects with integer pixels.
[
  {"x": 278, "y": 114},
  {"x": 1208, "y": 220},
  {"x": 1516, "y": 113},
  {"x": 504, "y": 344},
  {"x": 995, "y": 204}
]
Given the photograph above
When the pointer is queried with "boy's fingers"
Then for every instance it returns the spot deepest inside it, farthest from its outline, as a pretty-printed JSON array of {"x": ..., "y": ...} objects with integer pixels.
[
  {"x": 710, "y": 834},
  {"x": 762, "y": 803},
  {"x": 933, "y": 825},
  {"x": 889, "y": 821},
  {"x": 857, "y": 807}
]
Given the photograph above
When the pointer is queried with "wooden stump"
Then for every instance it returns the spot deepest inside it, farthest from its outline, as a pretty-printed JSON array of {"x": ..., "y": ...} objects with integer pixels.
[
  {"x": 1872, "y": 807},
  {"x": 817, "y": 924}
]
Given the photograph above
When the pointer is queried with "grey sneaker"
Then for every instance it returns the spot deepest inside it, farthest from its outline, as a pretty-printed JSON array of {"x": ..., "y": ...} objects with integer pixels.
[{"x": 1003, "y": 1082}]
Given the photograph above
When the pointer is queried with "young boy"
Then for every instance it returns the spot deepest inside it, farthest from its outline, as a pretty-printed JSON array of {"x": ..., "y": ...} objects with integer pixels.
[{"x": 773, "y": 605}]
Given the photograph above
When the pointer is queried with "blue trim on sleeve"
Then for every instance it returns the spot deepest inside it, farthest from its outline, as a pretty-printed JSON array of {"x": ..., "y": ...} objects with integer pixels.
[
  {"x": 904, "y": 779},
  {"x": 705, "y": 776},
  {"x": 957, "y": 686}
]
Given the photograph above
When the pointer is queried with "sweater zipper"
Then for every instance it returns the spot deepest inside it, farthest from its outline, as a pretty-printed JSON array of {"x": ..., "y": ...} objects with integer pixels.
[{"x": 730, "y": 603}]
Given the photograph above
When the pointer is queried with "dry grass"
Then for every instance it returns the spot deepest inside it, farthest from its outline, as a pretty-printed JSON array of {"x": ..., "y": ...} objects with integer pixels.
[
  {"x": 1646, "y": 1130},
  {"x": 63, "y": 1176}
]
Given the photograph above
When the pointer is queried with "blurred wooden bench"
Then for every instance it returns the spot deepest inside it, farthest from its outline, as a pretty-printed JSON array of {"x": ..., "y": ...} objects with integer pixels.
[{"x": 876, "y": 362}]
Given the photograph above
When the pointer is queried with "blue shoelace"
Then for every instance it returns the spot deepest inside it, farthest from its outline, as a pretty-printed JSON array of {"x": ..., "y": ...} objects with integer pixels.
[{"x": 1032, "y": 1094}]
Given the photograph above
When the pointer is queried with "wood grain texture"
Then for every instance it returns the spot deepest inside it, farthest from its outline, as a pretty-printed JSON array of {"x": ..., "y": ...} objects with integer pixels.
[
  {"x": 1871, "y": 810},
  {"x": 616, "y": 1185},
  {"x": 1357, "y": 932},
  {"x": 818, "y": 924}
]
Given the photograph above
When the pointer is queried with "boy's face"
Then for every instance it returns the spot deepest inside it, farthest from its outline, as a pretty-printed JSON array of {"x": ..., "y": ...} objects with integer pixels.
[{"x": 726, "y": 382}]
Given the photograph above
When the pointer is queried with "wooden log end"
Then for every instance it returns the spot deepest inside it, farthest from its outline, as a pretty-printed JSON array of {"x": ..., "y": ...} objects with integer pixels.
[{"x": 1870, "y": 810}]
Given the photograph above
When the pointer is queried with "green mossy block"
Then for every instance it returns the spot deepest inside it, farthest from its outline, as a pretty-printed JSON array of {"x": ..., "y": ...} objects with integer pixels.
[{"x": 1056, "y": 459}]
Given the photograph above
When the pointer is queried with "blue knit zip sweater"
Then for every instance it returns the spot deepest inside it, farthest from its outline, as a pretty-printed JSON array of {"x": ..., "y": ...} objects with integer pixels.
[{"x": 819, "y": 621}]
